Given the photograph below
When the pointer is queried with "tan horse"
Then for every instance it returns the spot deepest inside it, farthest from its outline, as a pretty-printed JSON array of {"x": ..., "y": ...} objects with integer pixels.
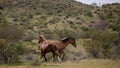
[
  {"x": 46, "y": 47},
  {"x": 55, "y": 45}
]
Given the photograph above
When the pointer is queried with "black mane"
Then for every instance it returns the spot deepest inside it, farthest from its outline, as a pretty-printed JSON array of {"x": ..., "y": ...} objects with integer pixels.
[{"x": 64, "y": 40}]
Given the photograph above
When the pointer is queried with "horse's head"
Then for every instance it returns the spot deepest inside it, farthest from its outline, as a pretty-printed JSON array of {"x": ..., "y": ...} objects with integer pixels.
[
  {"x": 41, "y": 39},
  {"x": 69, "y": 40},
  {"x": 72, "y": 41}
]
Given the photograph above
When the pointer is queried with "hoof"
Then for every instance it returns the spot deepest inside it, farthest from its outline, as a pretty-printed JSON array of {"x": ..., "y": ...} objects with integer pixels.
[{"x": 60, "y": 61}]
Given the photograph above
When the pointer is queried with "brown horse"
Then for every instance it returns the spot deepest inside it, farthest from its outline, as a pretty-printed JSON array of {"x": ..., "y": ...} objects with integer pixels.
[
  {"x": 55, "y": 45},
  {"x": 46, "y": 47}
]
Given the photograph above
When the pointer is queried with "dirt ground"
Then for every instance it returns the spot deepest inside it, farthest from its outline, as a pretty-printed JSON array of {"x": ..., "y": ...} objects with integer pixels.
[{"x": 88, "y": 63}]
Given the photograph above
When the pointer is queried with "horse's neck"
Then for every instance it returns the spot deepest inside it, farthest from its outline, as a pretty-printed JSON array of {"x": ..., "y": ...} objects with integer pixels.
[
  {"x": 65, "y": 44},
  {"x": 43, "y": 42}
]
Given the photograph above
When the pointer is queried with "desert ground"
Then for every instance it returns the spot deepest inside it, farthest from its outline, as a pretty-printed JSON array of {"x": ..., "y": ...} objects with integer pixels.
[{"x": 87, "y": 63}]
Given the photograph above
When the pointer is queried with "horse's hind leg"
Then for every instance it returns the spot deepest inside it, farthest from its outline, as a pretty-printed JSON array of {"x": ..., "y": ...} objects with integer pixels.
[{"x": 53, "y": 57}]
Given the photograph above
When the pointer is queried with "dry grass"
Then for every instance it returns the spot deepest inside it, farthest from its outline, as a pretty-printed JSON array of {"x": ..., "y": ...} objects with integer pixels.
[{"x": 90, "y": 63}]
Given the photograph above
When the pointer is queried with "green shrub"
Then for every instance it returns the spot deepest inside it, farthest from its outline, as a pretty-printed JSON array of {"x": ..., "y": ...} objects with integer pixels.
[
  {"x": 29, "y": 35},
  {"x": 10, "y": 35},
  {"x": 101, "y": 16},
  {"x": 8, "y": 54},
  {"x": 54, "y": 20},
  {"x": 100, "y": 43},
  {"x": 11, "y": 32},
  {"x": 36, "y": 62},
  {"x": 68, "y": 33},
  {"x": 89, "y": 13},
  {"x": 115, "y": 27}
]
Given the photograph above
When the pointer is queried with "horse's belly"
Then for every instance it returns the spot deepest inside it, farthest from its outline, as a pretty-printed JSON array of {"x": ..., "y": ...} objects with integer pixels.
[{"x": 59, "y": 47}]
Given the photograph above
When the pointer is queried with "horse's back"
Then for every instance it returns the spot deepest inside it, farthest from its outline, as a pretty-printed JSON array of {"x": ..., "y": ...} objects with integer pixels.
[{"x": 57, "y": 43}]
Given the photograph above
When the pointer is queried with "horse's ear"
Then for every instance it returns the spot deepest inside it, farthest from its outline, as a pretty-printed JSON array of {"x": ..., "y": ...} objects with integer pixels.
[
  {"x": 41, "y": 36},
  {"x": 39, "y": 41}
]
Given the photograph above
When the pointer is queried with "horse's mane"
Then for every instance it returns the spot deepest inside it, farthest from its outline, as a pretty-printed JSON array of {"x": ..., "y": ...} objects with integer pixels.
[{"x": 66, "y": 39}]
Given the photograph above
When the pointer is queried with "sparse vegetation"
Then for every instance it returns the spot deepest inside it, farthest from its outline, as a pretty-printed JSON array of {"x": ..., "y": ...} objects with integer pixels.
[
  {"x": 101, "y": 43},
  {"x": 9, "y": 38},
  {"x": 21, "y": 22}
]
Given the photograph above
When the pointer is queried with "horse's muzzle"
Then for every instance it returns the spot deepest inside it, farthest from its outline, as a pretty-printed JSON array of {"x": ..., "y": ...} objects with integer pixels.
[{"x": 75, "y": 45}]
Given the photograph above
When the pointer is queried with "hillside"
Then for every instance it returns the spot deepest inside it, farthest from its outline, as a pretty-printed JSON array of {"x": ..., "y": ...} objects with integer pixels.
[
  {"x": 96, "y": 28},
  {"x": 42, "y": 15}
]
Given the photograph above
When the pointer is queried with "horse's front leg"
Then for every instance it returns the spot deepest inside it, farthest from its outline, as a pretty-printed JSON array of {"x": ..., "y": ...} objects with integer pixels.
[
  {"x": 59, "y": 59},
  {"x": 43, "y": 55},
  {"x": 58, "y": 55},
  {"x": 62, "y": 54},
  {"x": 54, "y": 55}
]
